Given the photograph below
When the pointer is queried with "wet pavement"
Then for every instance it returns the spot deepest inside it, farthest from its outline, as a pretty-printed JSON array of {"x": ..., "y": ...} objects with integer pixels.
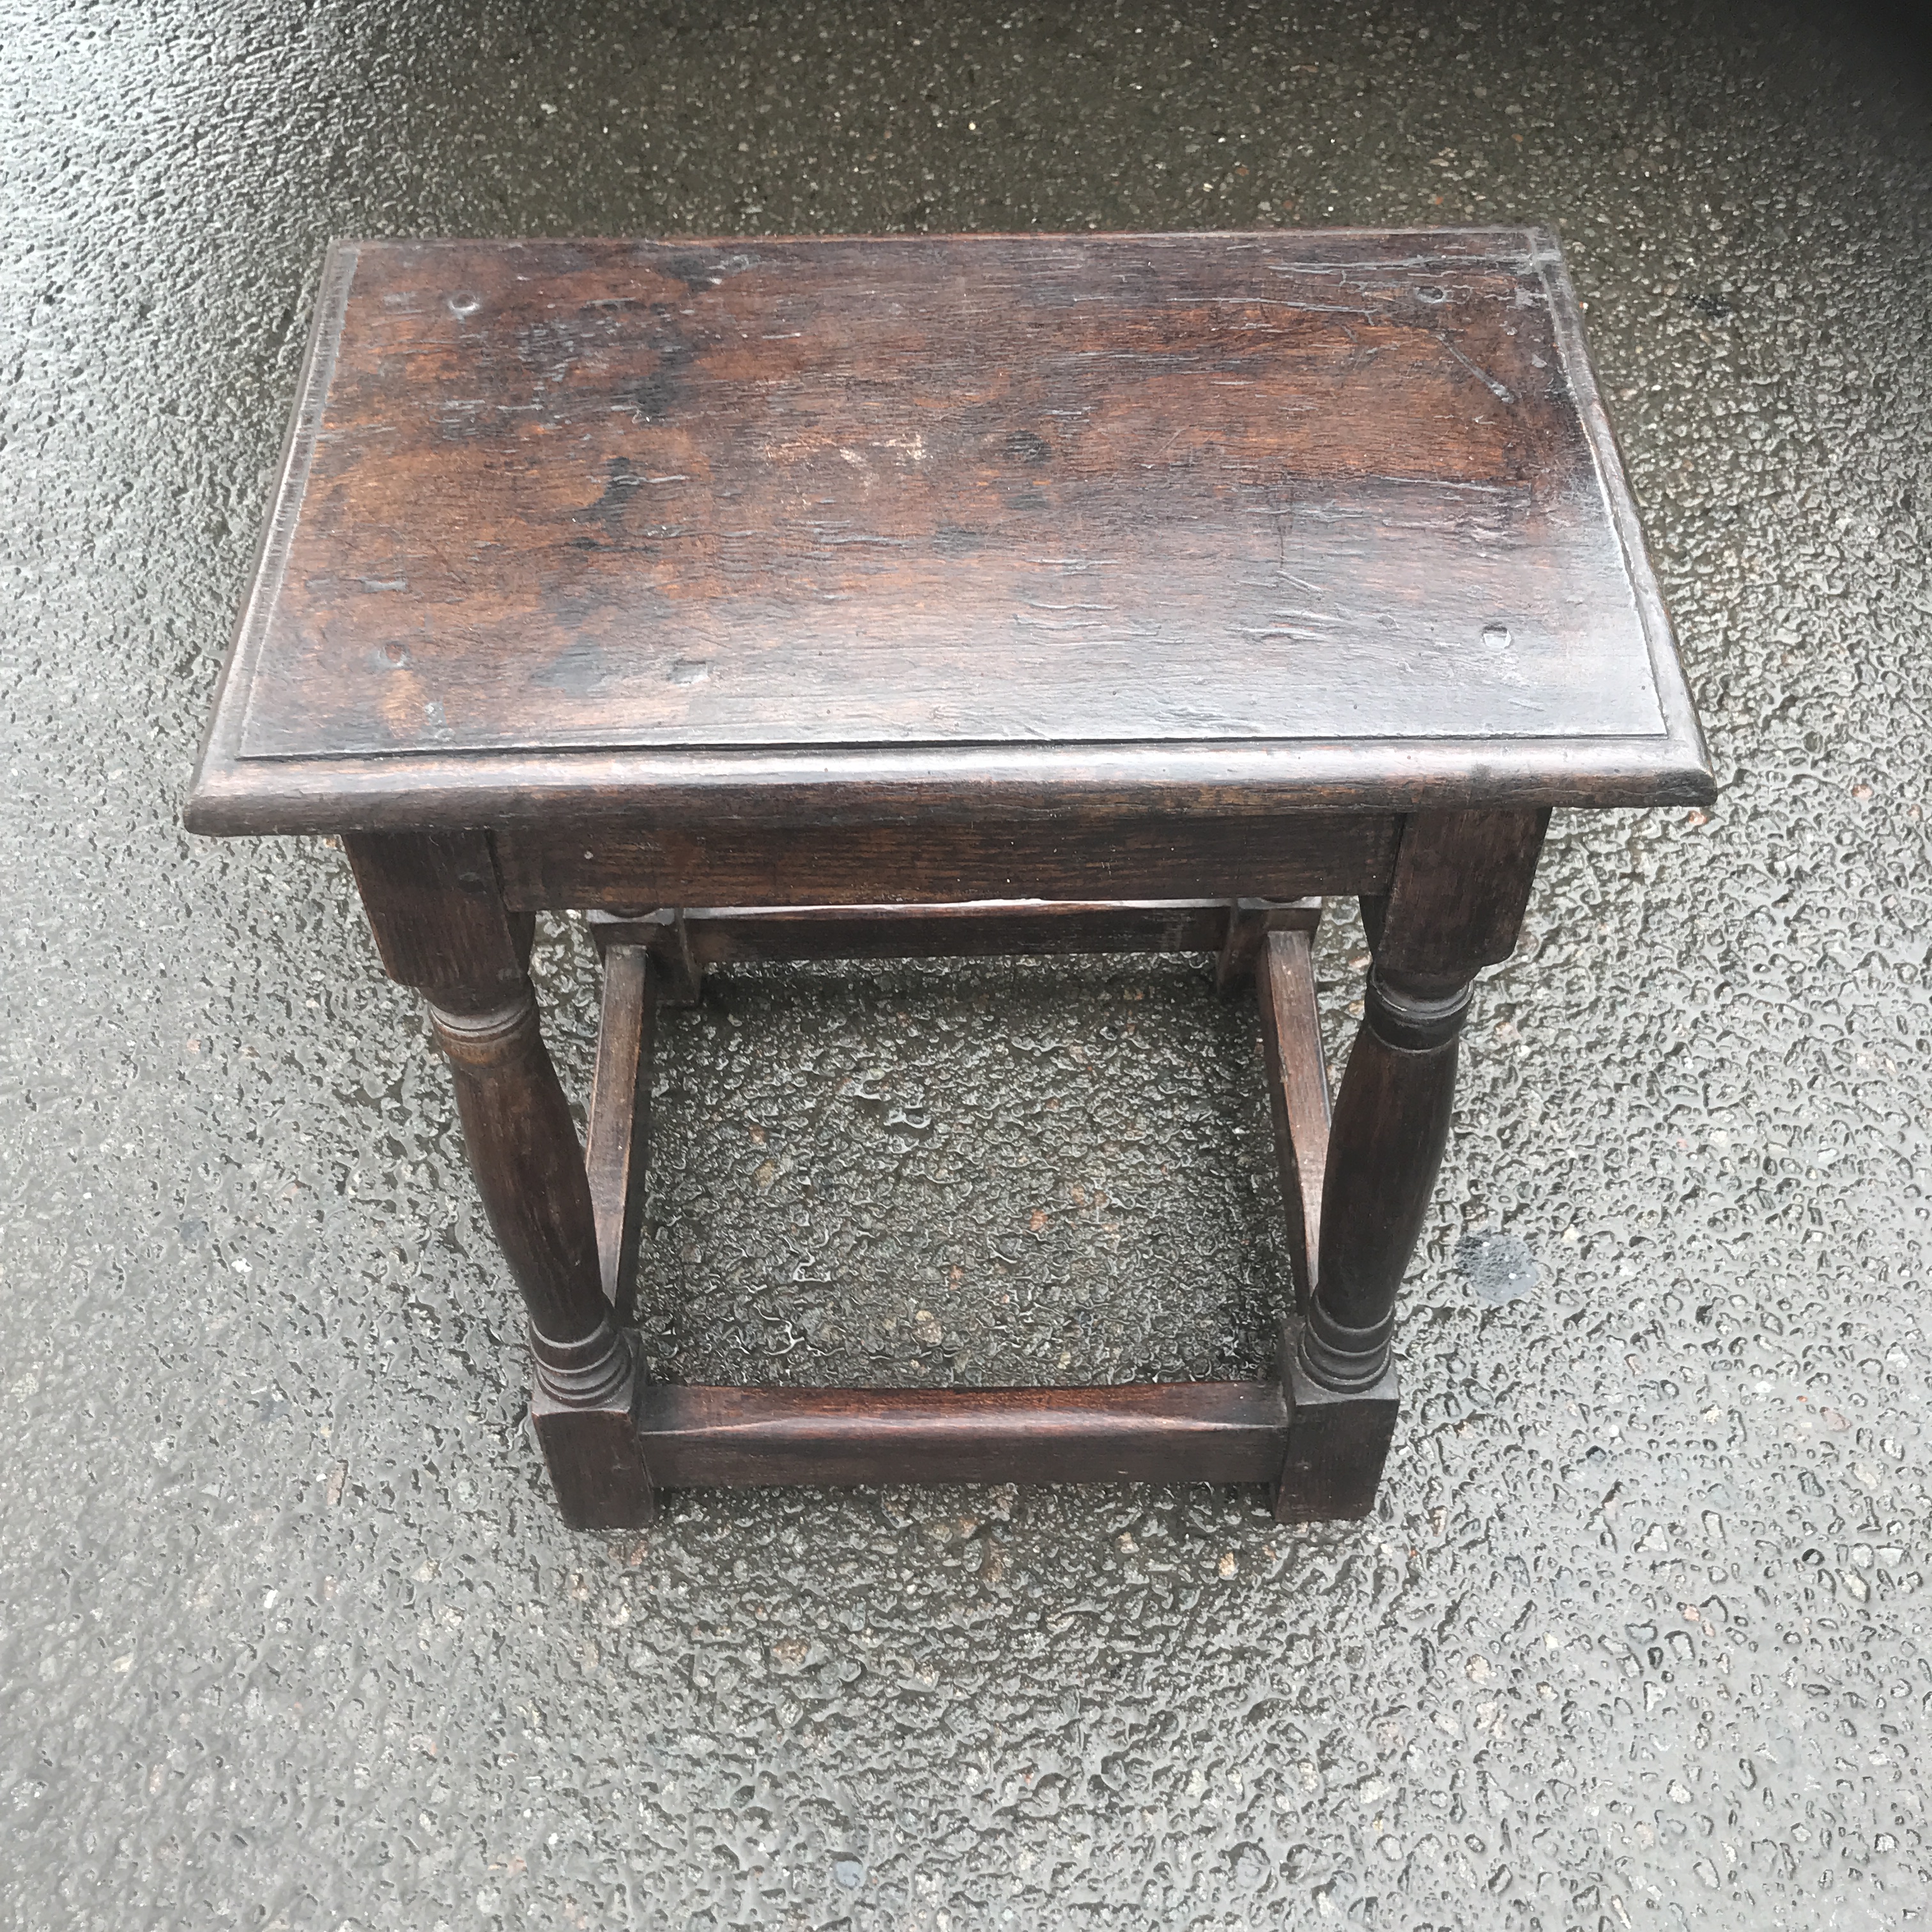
[{"x": 291, "y": 1636}]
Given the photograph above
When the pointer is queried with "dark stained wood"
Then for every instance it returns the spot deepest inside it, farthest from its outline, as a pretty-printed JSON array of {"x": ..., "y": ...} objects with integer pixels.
[
  {"x": 696, "y": 788},
  {"x": 1067, "y": 856},
  {"x": 979, "y": 929},
  {"x": 1148, "y": 1432},
  {"x": 437, "y": 912},
  {"x": 619, "y": 1135},
  {"x": 1241, "y": 945},
  {"x": 1385, "y": 1144},
  {"x": 1298, "y": 1100},
  {"x": 934, "y": 595},
  {"x": 1463, "y": 879},
  {"x": 662, "y": 932},
  {"x": 840, "y": 491},
  {"x": 522, "y": 1145},
  {"x": 1250, "y": 922},
  {"x": 440, "y": 923},
  {"x": 523, "y": 1149},
  {"x": 596, "y": 1458},
  {"x": 1456, "y": 903},
  {"x": 683, "y": 971},
  {"x": 790, "y": 522},
  {"x": 1337, "y": 1443}
]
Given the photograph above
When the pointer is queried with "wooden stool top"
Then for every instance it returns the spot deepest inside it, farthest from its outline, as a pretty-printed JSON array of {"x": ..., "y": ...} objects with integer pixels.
[{"x": 569, "y": 530}]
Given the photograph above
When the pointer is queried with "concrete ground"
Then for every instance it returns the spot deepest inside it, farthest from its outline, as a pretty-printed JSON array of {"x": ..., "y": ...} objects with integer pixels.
[{"x": 290, "y": 1635}]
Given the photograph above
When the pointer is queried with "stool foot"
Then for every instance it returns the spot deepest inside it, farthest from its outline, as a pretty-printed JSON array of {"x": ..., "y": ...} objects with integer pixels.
[
  {"x": 596, "y": 1460},
  {"x": 1337, "y": 1442}
]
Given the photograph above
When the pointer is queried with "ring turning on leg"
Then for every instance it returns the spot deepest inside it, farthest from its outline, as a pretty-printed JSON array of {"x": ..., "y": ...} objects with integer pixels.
[
  {"x": 441, "y": 924},
  {"x": 1462, "y": 879}
]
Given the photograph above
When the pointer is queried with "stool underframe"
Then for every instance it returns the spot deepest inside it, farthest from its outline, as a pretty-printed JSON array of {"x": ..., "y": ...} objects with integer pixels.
[{"x": 1356, "y": 1174}]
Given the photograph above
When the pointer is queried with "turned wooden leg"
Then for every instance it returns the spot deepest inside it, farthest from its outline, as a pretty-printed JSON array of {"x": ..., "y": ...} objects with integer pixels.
[
  {"x": 1461, "y": 883},
  {"x": 441, "y": 925}
]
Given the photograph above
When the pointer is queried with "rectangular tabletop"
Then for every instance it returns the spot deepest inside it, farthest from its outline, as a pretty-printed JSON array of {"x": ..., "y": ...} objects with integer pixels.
[{"x": 575, "y": 528}]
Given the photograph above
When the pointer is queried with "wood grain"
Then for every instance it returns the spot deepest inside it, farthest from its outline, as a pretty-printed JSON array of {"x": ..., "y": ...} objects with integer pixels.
[
  {"x": 1456, "y": 900},
  {"x": 1298, "y": 1100},
  {"x": 929, "y": 784},
  {"x": 596, "y": 1461},
  {"x": 437, "y": 910},
  {"x": 1171, "y": 1432},
  {"x": 618, "y": 1140},
  {"x": 984, "y": 929},
  {"x": 917, "y": 498},
  {"x": 839, "y": 586},
  {"x": 1462, "y": 880},
  {"x": 1072, "y": 855}
]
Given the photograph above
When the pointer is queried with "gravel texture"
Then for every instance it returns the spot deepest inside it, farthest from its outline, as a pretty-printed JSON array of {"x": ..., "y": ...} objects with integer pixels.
[{"x": 291, "y": 1636}]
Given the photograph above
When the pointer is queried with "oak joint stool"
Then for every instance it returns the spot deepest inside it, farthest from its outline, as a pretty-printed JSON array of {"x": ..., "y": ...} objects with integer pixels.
[{"x": 922, "y": 595}]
